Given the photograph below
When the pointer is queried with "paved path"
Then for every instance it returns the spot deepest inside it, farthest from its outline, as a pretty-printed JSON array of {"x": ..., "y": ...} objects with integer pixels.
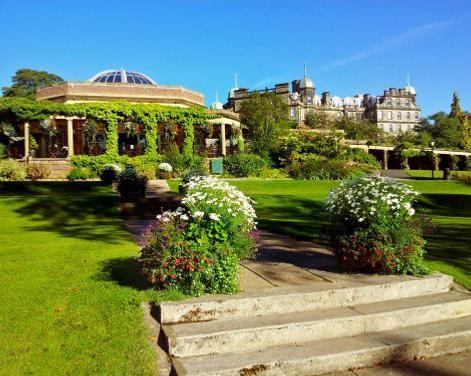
[{"x": 396, "y": 174}]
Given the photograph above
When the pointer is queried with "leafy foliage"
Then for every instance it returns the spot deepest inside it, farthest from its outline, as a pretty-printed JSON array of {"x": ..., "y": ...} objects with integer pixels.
[
  {"x": 196, "y": 248},
  {"x": 36, "y": 171},
  {"x": 374, "y": 226},
  {"x": 17, "y": 110},
  {"x": 78, "y": 173},
  {"x": 11, "y": 170},
  {"x": 243, "y": 165},
  {"x": 27, "y": 81},
  {"x": 131, "y": 184},
  {"x": 266, "y": 118}
]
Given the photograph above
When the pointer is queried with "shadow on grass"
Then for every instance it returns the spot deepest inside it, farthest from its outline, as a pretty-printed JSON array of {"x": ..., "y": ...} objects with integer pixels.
[
  {"x": 84, "y": 210},
  {"x": 125, "y": 271},
  {"x": 290, "y": 215}
]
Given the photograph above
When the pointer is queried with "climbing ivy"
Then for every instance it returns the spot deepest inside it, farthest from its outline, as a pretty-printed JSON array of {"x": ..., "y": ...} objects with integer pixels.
[{"x": 17, "y": 110}]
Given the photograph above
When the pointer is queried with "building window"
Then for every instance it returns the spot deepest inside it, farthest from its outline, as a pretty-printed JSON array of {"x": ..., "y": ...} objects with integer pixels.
[
  {"x": 380, "y": 114},
  {"x": 398, "y": 103},
  {"x": 399, "y": 115},
  {"x": 309, "y": 100},
  {"x": 391, "y": 129},
  {"x": 409, "y": 127},
  {"x": 293, "y": 112},
  {"x": 390, "y": 115},
  {"x": 408, "y": 103},
  {"x": 408, "y": 115},
  {"x": 416, "y": 115}
]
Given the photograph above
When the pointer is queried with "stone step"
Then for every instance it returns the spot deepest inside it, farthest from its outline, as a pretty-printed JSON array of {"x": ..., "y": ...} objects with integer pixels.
[
  {"x": 302, "y": 298},
  {"x": 262, "y": 332},
  {"x": 337, "y": 354}
]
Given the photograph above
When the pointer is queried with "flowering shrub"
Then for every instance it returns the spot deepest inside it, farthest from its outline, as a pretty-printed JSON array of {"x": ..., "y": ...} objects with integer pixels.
[
  {"x": 165, "y": 167},
  {"x": 374, "y": 226},
  {"x": 196, "y": 248},
  {"x": 371, "y": 198},
  {"x": 110, "y": 173}
]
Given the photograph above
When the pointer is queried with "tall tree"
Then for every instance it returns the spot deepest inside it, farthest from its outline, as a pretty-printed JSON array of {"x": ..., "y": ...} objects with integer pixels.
[
  {"x": 27, "y": 81},
  {"x": 456, "y": 107},
  {"x": 266, "y": 118}
]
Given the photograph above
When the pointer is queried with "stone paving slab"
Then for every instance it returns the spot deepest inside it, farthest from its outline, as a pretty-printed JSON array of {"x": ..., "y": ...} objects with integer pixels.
[{"x": 451, "y": 365}]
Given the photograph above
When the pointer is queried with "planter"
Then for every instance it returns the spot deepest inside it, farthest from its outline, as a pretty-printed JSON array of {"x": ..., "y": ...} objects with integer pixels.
[{"x": 164, "y": 175}]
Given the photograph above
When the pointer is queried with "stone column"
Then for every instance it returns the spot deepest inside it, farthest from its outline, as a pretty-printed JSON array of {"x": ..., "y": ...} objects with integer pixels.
[
  {"x": 70, "y": 137},
  {"x": 223, "y": 139},
  {"x": 385, "y": 159},
  {"x": 26, "y": 140}
]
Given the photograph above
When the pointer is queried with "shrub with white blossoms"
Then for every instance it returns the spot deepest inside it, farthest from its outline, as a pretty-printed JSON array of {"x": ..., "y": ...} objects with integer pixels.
[
  {"x": 374, "y": 228},
  {"x": 369, "y": 198},
  {"x": 209, "y": 197},
  {"x": 110, "y": 172},
  {"x": 165, "y": 167},
  {"x": 197, "y": 247}
]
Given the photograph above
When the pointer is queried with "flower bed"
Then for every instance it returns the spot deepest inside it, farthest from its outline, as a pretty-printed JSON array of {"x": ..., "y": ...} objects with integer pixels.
[
  {"x": 374, "y": 226},
  {"x": 196, "y": 248}
]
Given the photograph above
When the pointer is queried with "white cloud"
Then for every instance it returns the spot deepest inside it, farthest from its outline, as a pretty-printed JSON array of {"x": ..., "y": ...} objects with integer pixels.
[{"x": 389, "y": 44}]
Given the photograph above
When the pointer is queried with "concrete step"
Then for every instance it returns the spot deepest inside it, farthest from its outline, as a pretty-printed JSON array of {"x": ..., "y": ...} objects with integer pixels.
[
  {"x": 337, "y": 354},
  {"x": 262, "y": 332},
  {"x": 302, "y": 298}
]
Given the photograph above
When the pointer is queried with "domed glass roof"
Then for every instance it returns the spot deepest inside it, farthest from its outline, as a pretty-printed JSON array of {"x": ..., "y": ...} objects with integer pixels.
[{"x": 122, "y": 76}]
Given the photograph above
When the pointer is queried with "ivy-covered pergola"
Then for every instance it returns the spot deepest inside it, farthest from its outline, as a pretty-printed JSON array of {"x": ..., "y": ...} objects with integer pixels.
[{"x": 113, "y": 116}]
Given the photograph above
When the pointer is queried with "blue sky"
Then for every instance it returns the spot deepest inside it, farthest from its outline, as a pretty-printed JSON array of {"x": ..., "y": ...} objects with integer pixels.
[{"x": 350, "y": 47}]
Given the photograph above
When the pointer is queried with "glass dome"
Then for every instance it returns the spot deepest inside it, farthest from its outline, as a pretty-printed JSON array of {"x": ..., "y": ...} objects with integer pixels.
[{"x": 122, "y": 76}]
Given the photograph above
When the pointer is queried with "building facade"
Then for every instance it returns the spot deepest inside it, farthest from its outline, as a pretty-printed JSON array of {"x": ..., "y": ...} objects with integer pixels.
[{"x": 395, "y": 111}]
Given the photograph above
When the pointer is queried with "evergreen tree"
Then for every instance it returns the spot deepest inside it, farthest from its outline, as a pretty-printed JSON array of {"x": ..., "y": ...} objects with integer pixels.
[
  {"x": 27, "y": 81},
  {"x": 456, "y": 107}
]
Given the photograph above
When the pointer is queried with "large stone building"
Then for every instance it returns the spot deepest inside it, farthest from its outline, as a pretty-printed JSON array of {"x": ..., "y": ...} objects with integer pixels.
[{"x": 395, "y": 111}]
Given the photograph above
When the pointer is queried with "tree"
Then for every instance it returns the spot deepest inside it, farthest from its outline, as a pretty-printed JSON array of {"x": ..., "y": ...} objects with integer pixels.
[
  {"x": 456, "y": 107},
  {"x": 320, "y": 120},
  {"x": 405, "y": 150},
  {"x": 27, "y": 81},
  {"x": 266, "y": 118},
  {"x": 356, "y": 129}
]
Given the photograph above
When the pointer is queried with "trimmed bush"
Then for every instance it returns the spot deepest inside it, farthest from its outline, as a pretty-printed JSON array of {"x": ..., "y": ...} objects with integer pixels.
[
  {"x": 131, "y": 184},
  {"x": 196, "y": 249},
  {"x": 464, "y": 178},
  {"x": 110, "y": 173},
  {"x": 314, "y": 167},
  {"x": 11, "y": 170},
  {"x": 78, "y": 173},
  {"x": 36, "y": 171},
  {"x": 243, "y": 165},
  {"x": 374, "y": 226}
]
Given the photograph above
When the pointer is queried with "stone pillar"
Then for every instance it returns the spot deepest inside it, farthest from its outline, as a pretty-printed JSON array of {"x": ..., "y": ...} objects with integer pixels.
[
  {"x": 70, "y": 137},
  {"x": 26, "y": 136},
  {"x": 223, "y": 139},
  {"x": 385, "y": 159}
]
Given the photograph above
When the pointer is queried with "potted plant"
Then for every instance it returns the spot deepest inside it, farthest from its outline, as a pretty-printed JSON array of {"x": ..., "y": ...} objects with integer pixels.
[{"x": 165, "y": 171}]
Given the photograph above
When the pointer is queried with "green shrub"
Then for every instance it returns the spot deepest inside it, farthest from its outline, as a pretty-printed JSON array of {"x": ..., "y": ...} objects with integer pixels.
[
  {"x": 189, "y": 175},
  {"x": 11, "y": 170},
  {"x": 131, "y": 184},
  {"x": 110, "y": 173},
  {"x": 314, "y": 167},
  {"x": 95, "y": 164},
  {"x": 197, "y": 248},
  {"x": 243, "y": 165},
  {"x": 464, "y": 178},
  {"x": 79, "y": 173},
  {"x": 374, "y": 227},
  {"x": 361, "y": 156},
  {"x": 36, "y": 171},
  {"x": 3, "y": 151}
]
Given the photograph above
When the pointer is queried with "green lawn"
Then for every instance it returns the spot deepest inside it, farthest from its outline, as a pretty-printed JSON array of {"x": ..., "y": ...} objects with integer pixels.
[
  {"x": 294, "y": 207},
  {"x": 68, "y": 287},
  {"x": 427, "y": 174}
]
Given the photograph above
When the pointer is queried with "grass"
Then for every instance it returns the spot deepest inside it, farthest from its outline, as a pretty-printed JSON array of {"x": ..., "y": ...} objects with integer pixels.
[
  {"x": 294, "y": 207},
  {"x": 69, "y": 287},
  {"x": 427, "y": 174}
]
